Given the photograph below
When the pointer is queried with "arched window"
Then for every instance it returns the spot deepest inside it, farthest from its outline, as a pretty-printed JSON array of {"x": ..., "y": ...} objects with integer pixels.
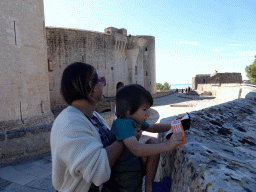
[{"x": 119, "y": 85}]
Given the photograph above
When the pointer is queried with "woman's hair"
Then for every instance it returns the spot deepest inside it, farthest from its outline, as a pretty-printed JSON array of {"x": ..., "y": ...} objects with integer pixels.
[
  {"x": 75, "y": 82},
  {"x": 130, "y": 98}
]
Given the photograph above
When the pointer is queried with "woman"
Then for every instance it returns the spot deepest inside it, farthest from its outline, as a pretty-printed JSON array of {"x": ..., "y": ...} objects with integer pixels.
[{"x": 83, "y": 149}]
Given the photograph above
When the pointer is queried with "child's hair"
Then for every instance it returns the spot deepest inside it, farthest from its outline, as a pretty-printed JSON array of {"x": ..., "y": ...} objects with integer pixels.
[
  {"x": 130, "y": 98},
  {"x": 119, "y": 85}
]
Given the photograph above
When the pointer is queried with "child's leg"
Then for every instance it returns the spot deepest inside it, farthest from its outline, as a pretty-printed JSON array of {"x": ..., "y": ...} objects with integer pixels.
[{"x": 151, "y": 166}]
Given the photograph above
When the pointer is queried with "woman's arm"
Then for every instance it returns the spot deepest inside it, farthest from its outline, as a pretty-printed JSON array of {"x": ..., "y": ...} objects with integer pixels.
[
  {"x": 140, "y": 150},
  {"x": 114, "y": 151}
]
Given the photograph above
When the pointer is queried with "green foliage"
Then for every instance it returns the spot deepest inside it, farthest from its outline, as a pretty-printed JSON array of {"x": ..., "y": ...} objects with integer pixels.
[
  {"x": 166, "y": 86},
  {"x": 251, "y": 71},
  {"x": 159, "y": 86}
]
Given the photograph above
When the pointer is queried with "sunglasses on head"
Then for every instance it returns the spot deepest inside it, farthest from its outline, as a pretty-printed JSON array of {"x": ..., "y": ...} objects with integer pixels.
[{"x": 102, "y": 80}]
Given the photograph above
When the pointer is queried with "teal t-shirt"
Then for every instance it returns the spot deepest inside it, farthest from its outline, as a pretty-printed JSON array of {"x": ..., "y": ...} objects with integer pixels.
[
  {"x": 128, "y": 170},
  {"x": 124, "y": 128}
]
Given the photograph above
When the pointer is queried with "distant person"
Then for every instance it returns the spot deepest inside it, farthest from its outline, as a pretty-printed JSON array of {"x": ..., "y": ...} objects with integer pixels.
[
  {"x": 132, "y": 105},
  {"x": 188, "y": 89},
  {"x": 182, "y": 90}
]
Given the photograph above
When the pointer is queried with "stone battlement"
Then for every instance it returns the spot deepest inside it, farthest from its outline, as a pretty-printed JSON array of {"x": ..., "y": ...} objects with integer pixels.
[
  {"x": 220, "y": 152},
  {"x": 216, "y": 78}
]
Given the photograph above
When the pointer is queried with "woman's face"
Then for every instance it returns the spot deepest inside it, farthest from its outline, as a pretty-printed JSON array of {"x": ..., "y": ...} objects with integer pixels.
[{"x": 98, "y": 89}]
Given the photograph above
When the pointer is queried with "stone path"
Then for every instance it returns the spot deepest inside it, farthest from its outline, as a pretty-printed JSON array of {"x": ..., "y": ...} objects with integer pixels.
[{"x": 34, "y": 174}]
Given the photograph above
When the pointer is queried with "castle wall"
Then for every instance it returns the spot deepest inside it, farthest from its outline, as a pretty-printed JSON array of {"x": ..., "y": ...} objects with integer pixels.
[
  {"x": 24, "y": 95},
  {"x": 149, "y": 64},
  {"x": 114, "y": 55},
  {"x": 215, "y": 78},
  {"x": 66, "y": 46},
  {"x": 226, "y": 78},
  {"x": 199, "y": 79}
]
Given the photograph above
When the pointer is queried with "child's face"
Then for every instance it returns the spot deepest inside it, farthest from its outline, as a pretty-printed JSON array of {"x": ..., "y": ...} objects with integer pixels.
[{"x": 141, "y": 114}]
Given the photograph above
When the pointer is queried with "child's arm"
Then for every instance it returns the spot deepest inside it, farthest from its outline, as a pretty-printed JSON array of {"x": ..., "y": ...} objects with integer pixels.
[
  {"x": 140, "y": 150},
  {"x": 158, "y": 128}
]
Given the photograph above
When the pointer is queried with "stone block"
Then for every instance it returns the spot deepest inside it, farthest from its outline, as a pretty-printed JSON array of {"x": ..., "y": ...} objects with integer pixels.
[
  {"x": 14, "y": 134},
  {"x": 2, "y": 136},
  {"x": 220, "y": 150}
]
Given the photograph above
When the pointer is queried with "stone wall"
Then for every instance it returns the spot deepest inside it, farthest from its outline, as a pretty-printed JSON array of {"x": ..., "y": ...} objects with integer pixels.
[
  {"x": 24, "y": 96},
  {"x": 199, "y": 79},
  {"x": 31, "y": 141},
  {"x": 220, "y": 151},
  {"x": 118, "y": 57},
  {"x": 220, "y": 78},
  {"x": 215, "y": 79},
  {"x": 226, "y": 92}
]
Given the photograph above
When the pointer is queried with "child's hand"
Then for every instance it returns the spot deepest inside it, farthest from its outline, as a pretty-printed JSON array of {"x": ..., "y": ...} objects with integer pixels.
[
  {"x": 175, "y": 140},
  {"x": 179, "y": 117},
  {"x": 138, "y": 133}
]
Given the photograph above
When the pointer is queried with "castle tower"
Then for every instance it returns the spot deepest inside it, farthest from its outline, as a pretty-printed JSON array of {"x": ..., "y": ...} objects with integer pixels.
[
  {"x": 141, "y": 61},
  {"x": 147, "y": 44},
  {"x": 24, "y": 95},
  {"x": 118, "y": 73}
]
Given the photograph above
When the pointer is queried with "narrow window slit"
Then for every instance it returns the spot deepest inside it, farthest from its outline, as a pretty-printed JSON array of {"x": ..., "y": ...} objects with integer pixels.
[{"x": 15, "y": 33}]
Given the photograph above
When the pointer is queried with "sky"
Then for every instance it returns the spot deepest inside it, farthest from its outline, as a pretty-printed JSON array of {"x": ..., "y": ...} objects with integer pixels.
[{"x": 191, "y": 36}]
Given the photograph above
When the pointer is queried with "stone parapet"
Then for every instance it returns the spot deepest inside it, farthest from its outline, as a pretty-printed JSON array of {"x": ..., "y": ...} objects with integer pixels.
[
  {"x": 109, "y": 117},
  {"x": 22, "y": 143},
  {"x": 220, "y": 152},
  {"x": 25, "y": 142},
  {"x": 162, "y": 94}
]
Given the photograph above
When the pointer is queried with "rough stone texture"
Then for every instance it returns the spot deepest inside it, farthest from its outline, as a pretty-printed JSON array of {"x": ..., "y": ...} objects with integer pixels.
[
  {"x": 220, "y": 152},
  {"x": 26, "y": 142},
  {"x": 23, "y": 68},
  {"x": 118, "y": 57},
  {"x": 109, "y": 117}
]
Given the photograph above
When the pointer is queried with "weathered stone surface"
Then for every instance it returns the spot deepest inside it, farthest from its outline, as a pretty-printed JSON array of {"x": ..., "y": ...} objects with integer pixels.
[
  {"x": 23, "y": 70},
  {"x": 118, "y": 57},
  {"x": 220, "y": 154},
  {"x": 24, "y": 143}
]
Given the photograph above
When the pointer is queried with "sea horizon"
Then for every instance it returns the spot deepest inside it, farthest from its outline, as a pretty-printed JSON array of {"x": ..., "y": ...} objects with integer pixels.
[{"x": 180, "y": 86}]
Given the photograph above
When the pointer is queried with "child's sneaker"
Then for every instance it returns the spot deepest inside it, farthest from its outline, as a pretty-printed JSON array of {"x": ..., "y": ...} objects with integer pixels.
[{"x": 162, "y": 187}]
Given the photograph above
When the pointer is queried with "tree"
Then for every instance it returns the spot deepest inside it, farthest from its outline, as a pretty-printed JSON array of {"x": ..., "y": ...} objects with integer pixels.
[
  {"x": 159, "y": 86},
  {"x": 166, "y": 86},
  {"x": 251, "y": 71}
]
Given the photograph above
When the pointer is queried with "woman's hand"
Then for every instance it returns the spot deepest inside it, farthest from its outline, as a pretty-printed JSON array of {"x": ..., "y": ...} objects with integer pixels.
[{"x": 138, "y": 131}]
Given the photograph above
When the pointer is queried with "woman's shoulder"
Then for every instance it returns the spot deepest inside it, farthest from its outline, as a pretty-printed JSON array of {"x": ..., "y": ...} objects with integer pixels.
[{"x": 70, "y": 115}]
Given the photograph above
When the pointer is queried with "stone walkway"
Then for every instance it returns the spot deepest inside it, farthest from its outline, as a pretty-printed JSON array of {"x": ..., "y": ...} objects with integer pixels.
[{"x": 34, "y": 174}]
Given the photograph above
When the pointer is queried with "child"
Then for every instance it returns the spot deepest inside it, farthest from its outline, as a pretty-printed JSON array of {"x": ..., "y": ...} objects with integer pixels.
[{"x": 136, "y": 160}]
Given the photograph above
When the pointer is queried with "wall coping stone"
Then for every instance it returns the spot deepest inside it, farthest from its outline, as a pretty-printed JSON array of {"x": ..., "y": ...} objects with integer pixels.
[{"x": 220, "y": 154}]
